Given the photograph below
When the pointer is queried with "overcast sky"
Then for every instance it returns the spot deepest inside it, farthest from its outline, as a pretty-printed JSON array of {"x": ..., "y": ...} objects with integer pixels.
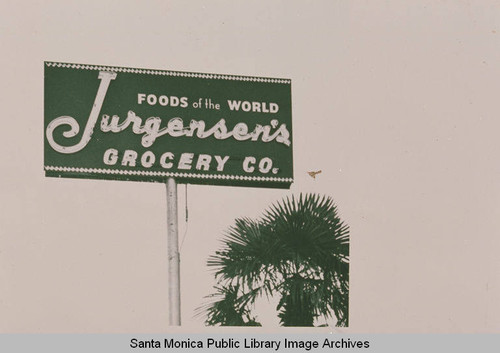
[{"x": 395, "y": 101}]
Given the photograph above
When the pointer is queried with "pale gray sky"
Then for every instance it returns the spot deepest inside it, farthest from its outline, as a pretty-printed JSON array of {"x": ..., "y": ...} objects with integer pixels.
[{"x": 395, "y": 101}]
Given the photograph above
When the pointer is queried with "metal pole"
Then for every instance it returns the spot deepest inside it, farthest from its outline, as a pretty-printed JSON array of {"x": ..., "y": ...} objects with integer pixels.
[{"x": 174, "y": 287}]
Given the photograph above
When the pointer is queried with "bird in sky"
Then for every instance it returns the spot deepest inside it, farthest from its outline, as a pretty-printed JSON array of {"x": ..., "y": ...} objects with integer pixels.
[{"x": 313, "y": 174}]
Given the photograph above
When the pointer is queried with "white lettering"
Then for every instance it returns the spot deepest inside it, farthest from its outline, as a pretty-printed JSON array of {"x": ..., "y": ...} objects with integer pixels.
[
  {"x": 174, "y": 101},
  {"x": 221, "y": 162},
  {"x": 185, "y": 161},
  {"x": 203, "y": 162},
  {"x": 110, "y": 156},
  {"x": 148, "y": 159},
  {"x": 234, "y": 105},
  {"x": 74, "y": 128},
  {"x": 163, "y": 100},
  {"x": 163, "y": 160},
  {"x": 129, "y": 157},
  {"x": 240, "y": 132},
  {"x": 152, "y": 99},
  {"x": 246, "y": 164},
  {"x": 246, "y": 106},
  {"x": 265, "y": 165},
  {"x": 175, "y": 127},
  {"x": 256, "y": 107}
]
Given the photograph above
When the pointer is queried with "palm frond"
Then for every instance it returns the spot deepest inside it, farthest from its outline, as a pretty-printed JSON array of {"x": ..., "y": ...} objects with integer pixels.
[
  {"x": 228, "y": 307},
  {"x": 298, "y": 248}
]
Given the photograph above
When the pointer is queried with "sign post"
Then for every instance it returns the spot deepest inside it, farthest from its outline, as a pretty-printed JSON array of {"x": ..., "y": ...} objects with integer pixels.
[
  {"x": 119, "y": 123},
  {"x": 174, "y": 285}
]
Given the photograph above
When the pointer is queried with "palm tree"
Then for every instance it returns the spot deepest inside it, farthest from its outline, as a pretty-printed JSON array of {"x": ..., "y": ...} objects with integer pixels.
[{"x": 299, "y": 250}]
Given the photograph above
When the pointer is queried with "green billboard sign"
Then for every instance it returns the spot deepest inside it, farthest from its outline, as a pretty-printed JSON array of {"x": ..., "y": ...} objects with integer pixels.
[{"x": 148, "y": 125}]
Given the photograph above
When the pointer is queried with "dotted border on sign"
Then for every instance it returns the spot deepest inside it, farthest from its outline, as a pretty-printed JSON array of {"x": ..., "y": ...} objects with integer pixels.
[
  {"x": 167, "y": 174},
  {"x": 169, "y": 73}
]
